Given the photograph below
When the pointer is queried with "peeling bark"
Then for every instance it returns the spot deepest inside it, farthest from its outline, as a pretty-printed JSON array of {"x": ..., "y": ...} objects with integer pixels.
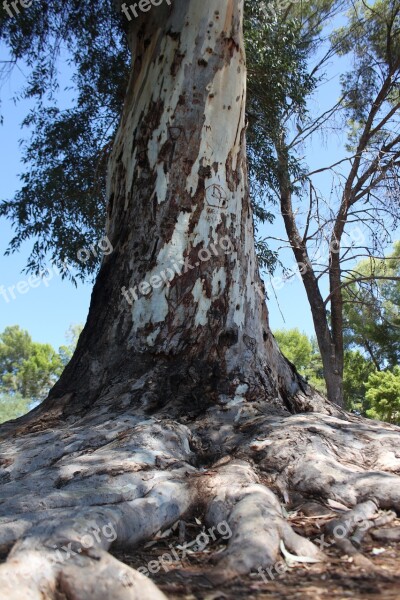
[{"x": 179, "y": 206}]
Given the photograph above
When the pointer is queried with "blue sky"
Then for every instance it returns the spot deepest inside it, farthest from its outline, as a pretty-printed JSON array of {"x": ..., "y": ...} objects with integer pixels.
[{"x": 48, "y": 311}]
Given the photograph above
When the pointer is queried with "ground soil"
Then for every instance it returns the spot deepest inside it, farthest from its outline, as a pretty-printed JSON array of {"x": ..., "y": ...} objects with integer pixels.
[{"x": 337, "y": 579}]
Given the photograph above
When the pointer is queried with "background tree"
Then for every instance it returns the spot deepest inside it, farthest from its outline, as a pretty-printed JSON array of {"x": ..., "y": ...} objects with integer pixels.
[
  {"x": 29, "y": 369},
  {"x": 304, "y": 354},
  {"x": 320, "y": 229},
  {"x": 72, "y": 336},
  {"x": 26, "y": 367},
  {"x": 371, "y": 303},
  {"x": 295, "y": 346},
  {"x": 383, "y": 394},
  {"x": 357, "y": 370},
  {"x": 12, "y": 406}
]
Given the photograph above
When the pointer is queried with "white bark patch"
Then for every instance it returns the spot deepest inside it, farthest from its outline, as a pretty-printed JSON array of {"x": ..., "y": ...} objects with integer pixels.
[
  {"x": 239, "y": 399},
  {"x": 174, "y": 250},
  {"x": 153, "y": 308},
  {"x": 161, "y": 184},
  {"x": 151, "y": 339},
  {"x": 150, "y": 310},
  {"x": 203, "y": 303},
  {"x": 226, "y": 98},
  {"x": 218, "y": 282},
  {"x": 241, "y": 389}
]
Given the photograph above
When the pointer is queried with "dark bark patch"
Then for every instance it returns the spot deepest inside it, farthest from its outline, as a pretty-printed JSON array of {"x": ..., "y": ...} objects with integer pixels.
[
  {"x": 228, "y": 338},
  {"x": 232, "y": 176},
  {"x": 175, "y": 35},
  {"x": 178, "y": 58},
  {"x": 231, "y": 45}
]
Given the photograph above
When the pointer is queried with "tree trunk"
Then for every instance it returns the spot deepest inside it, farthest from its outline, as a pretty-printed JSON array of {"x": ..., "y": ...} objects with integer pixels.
[
  {"x": 182, "y": 289},
  {"x": 336, "y": 301},
  {"x": 330, "y": 343},
  {"x": 178, "y": 401}
]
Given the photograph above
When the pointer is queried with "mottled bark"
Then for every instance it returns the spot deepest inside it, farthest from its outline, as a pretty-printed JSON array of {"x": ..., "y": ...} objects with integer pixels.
[{"x": 179, "y": 209}]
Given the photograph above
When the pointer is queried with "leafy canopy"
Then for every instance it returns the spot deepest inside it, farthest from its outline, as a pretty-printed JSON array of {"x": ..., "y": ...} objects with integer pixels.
[
  {"x": 303, "y": 353},
  {"x": 372, "y": 309},
  {"x": 357, "y": 369},
  {"x": 27, "y": 369},
  {"x": 60, "y": 206},
  {"x": 383, "y": 393},
  {"x": 12, "y": 406},
  {"x": 296, "y": 346}
]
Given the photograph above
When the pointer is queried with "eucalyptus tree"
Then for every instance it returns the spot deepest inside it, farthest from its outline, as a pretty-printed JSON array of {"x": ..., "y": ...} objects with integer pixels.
[{"x": 177, "y": 398}]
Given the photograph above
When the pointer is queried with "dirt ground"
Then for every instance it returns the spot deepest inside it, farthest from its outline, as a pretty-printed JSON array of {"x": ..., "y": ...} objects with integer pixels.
[{"x": 337, "y": 579}]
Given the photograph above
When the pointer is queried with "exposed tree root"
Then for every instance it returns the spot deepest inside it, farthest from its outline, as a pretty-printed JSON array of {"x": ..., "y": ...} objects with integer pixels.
[
  {"x": 255, "y": 517},
  {"x": 71, "y": 494}
]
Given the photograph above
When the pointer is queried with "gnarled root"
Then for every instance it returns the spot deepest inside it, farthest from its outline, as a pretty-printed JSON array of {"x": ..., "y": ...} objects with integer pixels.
[
  {"x": 70, "y": 495},
  {"x": 255, "y": 517}
]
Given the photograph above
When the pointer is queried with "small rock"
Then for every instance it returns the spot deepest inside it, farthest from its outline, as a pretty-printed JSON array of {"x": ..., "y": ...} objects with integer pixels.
[
  {"x": 376, "y": 551},
  {"x": 391, "y": 534}
]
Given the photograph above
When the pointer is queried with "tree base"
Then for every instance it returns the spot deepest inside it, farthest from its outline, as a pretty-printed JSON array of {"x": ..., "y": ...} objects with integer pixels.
[{"x": 75, "y": 488}]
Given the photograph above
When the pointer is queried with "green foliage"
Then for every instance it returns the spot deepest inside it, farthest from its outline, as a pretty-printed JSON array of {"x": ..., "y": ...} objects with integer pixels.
[
  {"x": 12, "y": 406},
  {"x": 278, "y": 85},
  {"x": 303, "y": 353},
  {"x": 61, "y": 204},
  {"x": 371, "y": 332},
  {"x": 314, "y": 372},
  {"x": 357, "y": 369},
  {"x": 72, "y": 335},
  {"x": 40, "y": 372},
  {"x": 27, "y": 368},
  {"x": 296, "y": 346},
  {"x": 383, "y": 393},
  {"x": 372, "y": 35},
  {"x": 372, "y": 309}
]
